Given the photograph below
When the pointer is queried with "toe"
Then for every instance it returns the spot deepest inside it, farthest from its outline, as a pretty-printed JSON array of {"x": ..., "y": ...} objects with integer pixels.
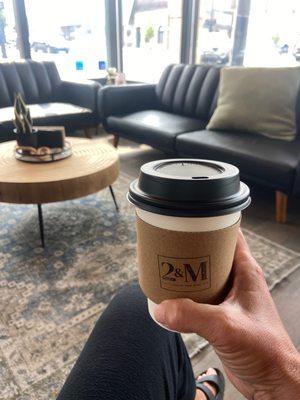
[{"x": 210, "y": 371}]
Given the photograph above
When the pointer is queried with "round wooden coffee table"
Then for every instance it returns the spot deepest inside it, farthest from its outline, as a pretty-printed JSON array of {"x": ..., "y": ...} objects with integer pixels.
[{"x": 93, "y": 166}]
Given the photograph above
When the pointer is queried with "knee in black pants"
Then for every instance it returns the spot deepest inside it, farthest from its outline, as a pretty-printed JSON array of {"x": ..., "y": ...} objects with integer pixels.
[{"x": 128, "y": 356}]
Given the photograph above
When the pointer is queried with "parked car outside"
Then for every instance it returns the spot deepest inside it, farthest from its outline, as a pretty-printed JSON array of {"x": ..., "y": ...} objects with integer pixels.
[
  {"x": 53, "y": 44},
  {"x": 216, "y": 48}
]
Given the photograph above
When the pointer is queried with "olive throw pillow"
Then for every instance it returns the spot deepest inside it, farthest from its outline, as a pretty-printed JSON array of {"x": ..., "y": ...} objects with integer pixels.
[{"x": 261, "y": 100}]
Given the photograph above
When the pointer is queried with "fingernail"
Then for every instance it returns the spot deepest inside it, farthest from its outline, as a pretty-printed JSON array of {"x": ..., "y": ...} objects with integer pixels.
[{"x": 160, "y": 314}]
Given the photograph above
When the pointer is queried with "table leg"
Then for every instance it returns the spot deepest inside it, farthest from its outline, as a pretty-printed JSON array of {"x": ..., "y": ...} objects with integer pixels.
[
  {"x": 41, "y": 224},
  {"x": 114, "y": 199}
]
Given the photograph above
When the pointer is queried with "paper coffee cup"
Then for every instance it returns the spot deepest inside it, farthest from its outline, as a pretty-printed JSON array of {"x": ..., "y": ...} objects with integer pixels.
[{"x": 188, "y": 216}]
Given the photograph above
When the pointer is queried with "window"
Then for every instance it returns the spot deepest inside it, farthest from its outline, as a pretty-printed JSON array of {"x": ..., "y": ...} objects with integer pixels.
[
  {"x": 70, "y": 33},
  {"x": 216, "y": 24},
  {"x": 8, "y": 35},
  {"x": 152, "y": 37},
  {"x": 273, "y": 37}
]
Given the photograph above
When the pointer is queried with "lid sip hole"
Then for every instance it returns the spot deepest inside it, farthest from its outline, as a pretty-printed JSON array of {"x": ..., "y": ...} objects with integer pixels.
[{"x": 199, "y": 177}]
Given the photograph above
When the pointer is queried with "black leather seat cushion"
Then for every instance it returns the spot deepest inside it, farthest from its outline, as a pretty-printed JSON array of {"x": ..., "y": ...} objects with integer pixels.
[
  {"x": 64, "y": 114},
  {"x": 272, "y": 161},
  {"x": 157, "y": 128}
]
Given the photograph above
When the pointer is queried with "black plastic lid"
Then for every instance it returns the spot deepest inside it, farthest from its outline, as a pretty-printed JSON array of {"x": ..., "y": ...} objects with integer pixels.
[{"x": 189, "y": 188}]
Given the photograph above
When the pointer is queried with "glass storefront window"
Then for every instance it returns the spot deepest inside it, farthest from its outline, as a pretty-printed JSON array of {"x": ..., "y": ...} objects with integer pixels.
[
  {"x": 70, "y": 33},
  {"x": 151, "y": 37},
  {"x": 216, "y": 24},
  {"x": 8, "y": 35},
  {"x": 273, "y": 37}
]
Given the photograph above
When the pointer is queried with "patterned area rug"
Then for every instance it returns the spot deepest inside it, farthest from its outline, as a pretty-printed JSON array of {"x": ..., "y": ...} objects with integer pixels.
[{"x": 50, "y": 299}]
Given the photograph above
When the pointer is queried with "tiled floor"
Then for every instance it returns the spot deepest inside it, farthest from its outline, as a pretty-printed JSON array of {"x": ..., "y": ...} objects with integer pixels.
[{"x": 260, "y": 219}]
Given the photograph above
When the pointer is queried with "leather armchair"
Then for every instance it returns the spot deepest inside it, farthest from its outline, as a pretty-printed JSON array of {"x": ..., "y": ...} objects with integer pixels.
[{"x": 53, "y": 101}]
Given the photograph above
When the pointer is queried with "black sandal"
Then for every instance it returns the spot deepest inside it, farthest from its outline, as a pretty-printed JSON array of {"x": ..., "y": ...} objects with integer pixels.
[{"x": 217, "y": 381}]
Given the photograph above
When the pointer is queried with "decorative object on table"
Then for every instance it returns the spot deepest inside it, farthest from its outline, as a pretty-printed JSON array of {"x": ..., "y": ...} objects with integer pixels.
[
  {"x": 42, "y": 154},
  {"x": 120, "y": 79},
  {"x": 23, "y": 120},
  {"x": 111, "y": 75},
  {"x": 39, "y": 144}
]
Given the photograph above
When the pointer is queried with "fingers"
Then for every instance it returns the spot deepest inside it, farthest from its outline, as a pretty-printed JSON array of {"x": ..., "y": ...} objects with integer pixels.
[
  {"x": 242, "y": 251},
  {"x": 247, "y": 273},
  {"x": 184, "y": 315}
]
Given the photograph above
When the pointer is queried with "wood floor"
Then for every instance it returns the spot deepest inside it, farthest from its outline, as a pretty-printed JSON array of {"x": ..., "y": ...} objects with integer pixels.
[{"x": 260, "y": 218}]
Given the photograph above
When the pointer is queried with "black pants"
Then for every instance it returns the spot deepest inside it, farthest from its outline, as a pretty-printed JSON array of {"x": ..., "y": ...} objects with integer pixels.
[{"x": 129, "y": 357}]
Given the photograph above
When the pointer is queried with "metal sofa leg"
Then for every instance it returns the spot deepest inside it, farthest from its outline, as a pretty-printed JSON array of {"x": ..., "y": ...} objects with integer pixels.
[{"x": 281, "y": 207}]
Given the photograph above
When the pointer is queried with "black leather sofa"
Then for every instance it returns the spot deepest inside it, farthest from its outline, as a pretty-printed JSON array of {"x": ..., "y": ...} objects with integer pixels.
[
  {"x": 53, "y": 101},
  {"x": 173, "y": 114}
]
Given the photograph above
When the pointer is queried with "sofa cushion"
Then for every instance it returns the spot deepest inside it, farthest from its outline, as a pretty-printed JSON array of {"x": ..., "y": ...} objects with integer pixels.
[
  {"x": 44, "y": 110},
  {"x": 64, "y": 114},
  {"x": 265, "y": 160},
  {"x": 261, "y": 100},
  {"x": 157, "y": 128}
]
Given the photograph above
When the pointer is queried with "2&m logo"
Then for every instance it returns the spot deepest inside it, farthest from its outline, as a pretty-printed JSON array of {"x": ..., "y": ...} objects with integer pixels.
[{"x": 184, "y": 274}]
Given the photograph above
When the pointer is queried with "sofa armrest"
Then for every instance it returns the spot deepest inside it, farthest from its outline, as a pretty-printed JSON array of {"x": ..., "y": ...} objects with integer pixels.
[
  {"x": 116, "y": 100},
  {"x": 80, "y": 94}
]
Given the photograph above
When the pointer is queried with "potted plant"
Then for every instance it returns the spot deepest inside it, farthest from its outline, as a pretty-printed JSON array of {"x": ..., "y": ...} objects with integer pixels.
[{"x": 27, "y": 136}]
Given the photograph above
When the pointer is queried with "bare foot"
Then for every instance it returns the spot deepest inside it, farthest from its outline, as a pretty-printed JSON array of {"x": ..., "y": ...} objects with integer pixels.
[{"x": 199, "y": 394}]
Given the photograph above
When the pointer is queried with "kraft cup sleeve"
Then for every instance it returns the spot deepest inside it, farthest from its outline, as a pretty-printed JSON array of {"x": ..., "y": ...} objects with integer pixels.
[{"x": 193, "y": 265}]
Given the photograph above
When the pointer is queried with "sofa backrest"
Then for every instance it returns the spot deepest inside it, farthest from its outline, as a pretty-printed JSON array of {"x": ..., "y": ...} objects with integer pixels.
[
  {"x": 190, "y": 90},
  {"x": 36, "y": 81}
]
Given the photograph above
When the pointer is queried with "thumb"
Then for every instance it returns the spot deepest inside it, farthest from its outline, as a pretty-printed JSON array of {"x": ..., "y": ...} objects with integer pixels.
[{"x": 184, "y": 315}]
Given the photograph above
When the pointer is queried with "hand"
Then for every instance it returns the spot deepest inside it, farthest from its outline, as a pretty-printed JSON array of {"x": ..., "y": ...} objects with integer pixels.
[{"x": 245, "y": 331}]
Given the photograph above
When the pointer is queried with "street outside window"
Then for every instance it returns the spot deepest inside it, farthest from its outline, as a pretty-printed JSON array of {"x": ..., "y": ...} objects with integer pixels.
[
  {"x": 70, "y": 33},
  {"x": 151, "y": 37}
]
